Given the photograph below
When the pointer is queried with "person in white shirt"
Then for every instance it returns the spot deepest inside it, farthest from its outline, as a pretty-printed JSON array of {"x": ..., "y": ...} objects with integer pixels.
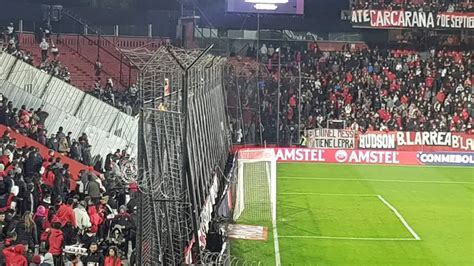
[
  {"x": 10, "y": 30},
  {"x": 82, "y": 218},
  {"x": 54, "y": 51},
  {"x": 44, "y": 46},
  {"x": 264, "y": 50}
]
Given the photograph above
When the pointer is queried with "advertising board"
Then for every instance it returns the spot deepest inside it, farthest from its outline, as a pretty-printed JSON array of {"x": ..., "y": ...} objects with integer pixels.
[
  {"x": 357, "y": 156},
  {"x": 345, "y": 156}
]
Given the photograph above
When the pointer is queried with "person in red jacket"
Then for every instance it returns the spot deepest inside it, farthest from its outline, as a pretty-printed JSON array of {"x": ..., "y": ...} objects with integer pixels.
[
  {"x": 112, "y": 259},
  {"x": 55, "y": 240},
  {"x": 48, "y": 177},
  {"x": 14, "y": 256},
  {"x": 65, "y": 213}
]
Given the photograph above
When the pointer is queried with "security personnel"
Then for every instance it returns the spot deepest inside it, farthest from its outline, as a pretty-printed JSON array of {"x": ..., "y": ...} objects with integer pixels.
[{"x": 303, "y": 141}]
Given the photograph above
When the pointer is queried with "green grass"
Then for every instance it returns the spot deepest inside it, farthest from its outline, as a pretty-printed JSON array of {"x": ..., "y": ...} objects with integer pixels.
[{"x": 437, "y": 202}]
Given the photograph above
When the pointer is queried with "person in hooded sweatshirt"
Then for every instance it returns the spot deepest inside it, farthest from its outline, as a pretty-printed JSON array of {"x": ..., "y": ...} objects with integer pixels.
[
  {"x": 15, "y": 256},
  {"x": 55, "y": 240},
  {"x": 83, "y": 220},
  {"x": 39, "y": 218},
  {"x": 65, "y": 213}
]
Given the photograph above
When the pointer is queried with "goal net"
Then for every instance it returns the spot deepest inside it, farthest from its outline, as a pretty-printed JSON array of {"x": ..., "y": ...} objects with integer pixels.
[{"x": 256, "y": 186}]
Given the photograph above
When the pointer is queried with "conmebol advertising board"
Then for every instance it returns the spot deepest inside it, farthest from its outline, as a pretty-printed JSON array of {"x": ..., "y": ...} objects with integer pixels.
[{"x": 446, "y": 158}]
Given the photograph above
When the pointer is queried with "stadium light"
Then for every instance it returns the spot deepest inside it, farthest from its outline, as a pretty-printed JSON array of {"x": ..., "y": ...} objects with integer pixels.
[
  {"x": 267, "y": 1},
  {"x": 265, "y": 6}
]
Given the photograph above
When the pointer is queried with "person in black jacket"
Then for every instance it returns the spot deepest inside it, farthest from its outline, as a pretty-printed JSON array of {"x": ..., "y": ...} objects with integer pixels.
[
  {"x": 26, "y": 230},
  {"x": 94, "y": 257}
]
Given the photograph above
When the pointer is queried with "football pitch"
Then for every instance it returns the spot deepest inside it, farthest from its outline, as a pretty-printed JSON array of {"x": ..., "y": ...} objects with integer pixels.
[{"x": 330, "y": 214}]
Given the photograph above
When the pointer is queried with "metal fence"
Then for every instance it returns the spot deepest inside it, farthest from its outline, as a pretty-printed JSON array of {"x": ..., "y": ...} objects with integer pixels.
[
  {"x": 107, "y": 127},
  {"x": 254, "y": 103},
  {"x": 183, "y": 140}
]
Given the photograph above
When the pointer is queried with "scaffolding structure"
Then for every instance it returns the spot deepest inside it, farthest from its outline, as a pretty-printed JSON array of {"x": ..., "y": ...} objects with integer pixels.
[{"x": 183, "y": 140}]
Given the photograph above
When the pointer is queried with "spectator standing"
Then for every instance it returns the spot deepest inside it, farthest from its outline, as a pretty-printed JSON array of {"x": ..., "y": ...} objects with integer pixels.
[
  {"x": 44, "y": 46},
  {"x": 98, "y": 68},
  {"x": 54, "y": 51},
  {"x": 15, "y": 256},
  {"x": 10, "y": 31},
  {"x": 26, "y": 231},
  {"x": 82, "y": 218},
  {"x": 94, "y": 257},
  {"x": 66, "y": 214},
  {"x": 112, "y": 258},
  {"x": 55, "y": 240}
]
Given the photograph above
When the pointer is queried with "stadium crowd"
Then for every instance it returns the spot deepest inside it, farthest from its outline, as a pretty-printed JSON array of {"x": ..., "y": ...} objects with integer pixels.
[
  {"x": 126, "y": 101},
  {"x": 426, "y": 5},
  {"x": 50, "y": 217},
  {"x": 368, "y": 89}
]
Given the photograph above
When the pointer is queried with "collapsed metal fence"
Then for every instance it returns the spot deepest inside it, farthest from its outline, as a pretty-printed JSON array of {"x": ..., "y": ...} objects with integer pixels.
[{"x": 183, "y": 139}]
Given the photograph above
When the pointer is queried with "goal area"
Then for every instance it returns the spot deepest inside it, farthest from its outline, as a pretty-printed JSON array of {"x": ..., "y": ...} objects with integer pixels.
[
  {"x": 255, "y": 193},
  {"x": 256, "y": 186}
]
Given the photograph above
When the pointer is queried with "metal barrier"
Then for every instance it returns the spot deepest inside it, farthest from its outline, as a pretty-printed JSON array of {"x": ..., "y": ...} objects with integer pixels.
[
  {"x": 183, "y": 140},
  {"x": 74, "y": 110}
]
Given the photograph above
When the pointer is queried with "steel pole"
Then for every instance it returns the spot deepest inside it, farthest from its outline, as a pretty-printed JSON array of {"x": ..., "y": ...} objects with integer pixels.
[
  {"x": 278, "y": 97},
  {"x": 299, "y": 102}
]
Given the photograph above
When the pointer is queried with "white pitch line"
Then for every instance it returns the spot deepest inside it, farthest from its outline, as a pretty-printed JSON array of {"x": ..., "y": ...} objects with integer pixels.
[
  {"x": 352, "y": 238},
  {"x": 378, "y": 180},
  {"x": 276, "y": 245},
  {"x": 327, "y": 194},
  {"x": 400, "y": 217}
]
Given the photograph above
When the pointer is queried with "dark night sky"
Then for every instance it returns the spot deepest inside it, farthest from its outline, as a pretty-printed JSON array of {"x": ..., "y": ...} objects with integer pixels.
[{"x": 320, "y": 15}]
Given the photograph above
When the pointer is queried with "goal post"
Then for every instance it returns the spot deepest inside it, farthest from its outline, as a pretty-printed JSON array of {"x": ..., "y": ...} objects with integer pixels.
[{"x": 256, "y": 186}]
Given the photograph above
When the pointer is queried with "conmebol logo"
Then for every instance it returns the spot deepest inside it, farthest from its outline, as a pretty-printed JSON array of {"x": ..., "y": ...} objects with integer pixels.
[{"x": 446, "y": 158}]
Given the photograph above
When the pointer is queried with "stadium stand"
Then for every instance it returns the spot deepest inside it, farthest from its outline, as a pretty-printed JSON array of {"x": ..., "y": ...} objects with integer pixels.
[
  {"x": 42, "y": 190},
  {"x": 93, "y": 64},
  {"x": 370, "y": 89},
  {"x": 68, "y": 106}
]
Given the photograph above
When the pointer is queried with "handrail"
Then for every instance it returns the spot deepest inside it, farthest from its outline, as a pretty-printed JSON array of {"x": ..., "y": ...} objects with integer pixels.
[
  {"x": 59, "y": 40},
  {"x": 106, "y": 50},
  {"x": 119, "y": 57}
]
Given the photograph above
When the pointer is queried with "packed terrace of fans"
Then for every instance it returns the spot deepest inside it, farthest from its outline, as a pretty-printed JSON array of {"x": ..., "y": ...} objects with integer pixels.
[
  {"x": 426, "y": 5},
  {"x": 369, "y": 89},
  {"x": 46, "y": 211},
  {"x": 50, "y": 215},
  {"x": 50, "y": 62}
]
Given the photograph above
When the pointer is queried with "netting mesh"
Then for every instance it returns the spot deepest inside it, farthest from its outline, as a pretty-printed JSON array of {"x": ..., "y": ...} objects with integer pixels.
[
  {"x": 183, "y": 138},
  {"x": 256, "y": 187},
  {"x": 225, "y": 259},
  {"x": 256, "y": 193}
]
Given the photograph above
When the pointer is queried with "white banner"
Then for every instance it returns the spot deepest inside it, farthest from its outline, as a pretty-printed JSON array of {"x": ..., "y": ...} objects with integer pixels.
[{"x": 331, "y": 138}]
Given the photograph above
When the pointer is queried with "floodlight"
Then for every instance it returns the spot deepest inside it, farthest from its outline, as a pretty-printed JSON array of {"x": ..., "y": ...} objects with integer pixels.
[
  {"x": 265, "y": 6},
  {"x": 267, "y": 1}
]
